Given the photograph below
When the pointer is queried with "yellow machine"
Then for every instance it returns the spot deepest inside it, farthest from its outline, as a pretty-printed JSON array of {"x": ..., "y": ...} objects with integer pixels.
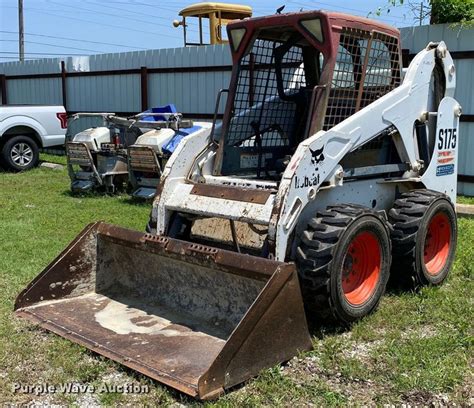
[{"x": 218, "y": 14}]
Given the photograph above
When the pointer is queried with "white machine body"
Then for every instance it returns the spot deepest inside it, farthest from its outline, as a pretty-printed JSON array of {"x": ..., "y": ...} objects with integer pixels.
[
  {"x": 156, "y": 139},
  {"x": 303, "y": 189},
  {"x": 93, "y": 137}
]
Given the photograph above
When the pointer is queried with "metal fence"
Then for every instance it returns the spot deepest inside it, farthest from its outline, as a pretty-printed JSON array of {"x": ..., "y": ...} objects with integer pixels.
[
  {"x": 460, "y": 43},
  {"x": 131, "y": 82}
]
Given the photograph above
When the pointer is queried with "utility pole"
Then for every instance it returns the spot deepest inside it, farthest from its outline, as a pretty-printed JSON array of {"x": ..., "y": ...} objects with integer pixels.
[
  {"x": 21, "y": 38},
  {"x": 421, "y": 13}
]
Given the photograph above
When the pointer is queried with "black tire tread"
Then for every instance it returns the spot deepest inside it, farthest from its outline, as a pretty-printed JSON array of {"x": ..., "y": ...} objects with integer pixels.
[
  {"x": 405, "y": 218},
  {"x": 316, "y": 251}
]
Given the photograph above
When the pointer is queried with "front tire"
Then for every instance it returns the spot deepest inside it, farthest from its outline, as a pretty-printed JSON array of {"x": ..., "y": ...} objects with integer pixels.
[
  {"x": 343, "y": 261},
  {"x": 424, "y": 238},
  {"x": 20, "y": 153}
]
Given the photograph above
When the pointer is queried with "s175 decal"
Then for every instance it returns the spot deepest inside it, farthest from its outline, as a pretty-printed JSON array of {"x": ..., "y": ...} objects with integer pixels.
[{"x": 447, "y": 139}]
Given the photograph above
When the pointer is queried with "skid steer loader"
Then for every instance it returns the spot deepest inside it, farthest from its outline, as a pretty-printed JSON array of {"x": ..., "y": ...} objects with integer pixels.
[{"x": 329, "y": 172}]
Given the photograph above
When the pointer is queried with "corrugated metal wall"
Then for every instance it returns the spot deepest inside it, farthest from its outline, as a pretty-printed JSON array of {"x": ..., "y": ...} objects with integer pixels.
[
  {"x": 108, "y": 93},
  {"x": 457, "y": 39},
  {"x": 191, "y": 92},
  {"x": 121, "y": 92},
  {"x": 36, "y": 91}
]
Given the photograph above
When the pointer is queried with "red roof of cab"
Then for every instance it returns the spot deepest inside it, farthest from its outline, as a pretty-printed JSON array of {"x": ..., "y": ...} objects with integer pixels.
[
  {"x": 343, "y": 19},
  {"x": 335, "y": 19}
]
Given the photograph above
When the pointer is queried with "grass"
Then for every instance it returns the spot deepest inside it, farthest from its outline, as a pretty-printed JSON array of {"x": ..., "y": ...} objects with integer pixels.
[
  {"x": 416, "y": 349},
  {"x": 465, "y": 200}
]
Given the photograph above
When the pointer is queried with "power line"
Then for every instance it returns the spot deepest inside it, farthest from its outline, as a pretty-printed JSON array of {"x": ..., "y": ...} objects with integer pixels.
[
  {"x": 39, "y": 11},
  {"x": 315, "y": 3},
  {"x": 44, "y": 53},
  {"x": 143, "y": 14},
  {"x": 56, "y": 46},
  {"x": 16, "y": 58},
  {"x": 101, "y": 12},
  {"x": 139, "y": 3},
  {"x": 75, "y": 39},
  {"x": 109, "y": 14},
  {"x": 130, "y": 11},
  {"x": 155, "y": 6}
]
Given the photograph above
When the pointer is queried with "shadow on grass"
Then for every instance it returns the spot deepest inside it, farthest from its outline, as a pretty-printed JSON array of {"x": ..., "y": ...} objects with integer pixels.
[
  {"x": 121, "y": 196},
  {"x": 400, "y": 285},
  {"x": 91, "y": 194},
  {"x": 320, "y": 328},
  {"x": 137, "y": 201}
]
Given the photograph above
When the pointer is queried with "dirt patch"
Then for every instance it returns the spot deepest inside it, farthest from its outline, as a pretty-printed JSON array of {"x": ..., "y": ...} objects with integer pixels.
[
  {"x": 361, "y": 350},
  {"x": 308, "y": 369},
  {"x": 422, "y": 332},
  {"x": 366, "y": 392},
  {"x": 425, "y": 398}
]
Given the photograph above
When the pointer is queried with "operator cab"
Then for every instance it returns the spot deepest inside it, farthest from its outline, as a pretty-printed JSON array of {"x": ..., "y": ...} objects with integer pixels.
[
  {"x": 276, "y": 78},
  {"x": 294, "y": 75}
]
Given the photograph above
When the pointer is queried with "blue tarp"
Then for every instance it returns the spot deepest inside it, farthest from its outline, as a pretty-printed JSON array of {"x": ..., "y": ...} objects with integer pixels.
[
  {"x": 170, "y": 147},
  {"x": 173, "y": 143},
  {"x": 170, "y": 108}
]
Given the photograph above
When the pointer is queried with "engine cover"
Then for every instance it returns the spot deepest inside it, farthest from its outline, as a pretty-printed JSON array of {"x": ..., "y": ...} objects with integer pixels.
[
  {"x": 156, "y": 139},
  {"x": 93, "y": 137}
]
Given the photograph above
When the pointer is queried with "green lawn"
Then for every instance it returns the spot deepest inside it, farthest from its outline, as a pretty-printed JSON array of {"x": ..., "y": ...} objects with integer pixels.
[
  {"x": 465, "y": 200},
  {"x": 416, "y": 349}
]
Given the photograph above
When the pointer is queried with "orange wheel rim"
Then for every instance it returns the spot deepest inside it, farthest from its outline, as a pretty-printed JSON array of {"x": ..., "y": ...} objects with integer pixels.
[
  {"x": 437, "y": 244},
  {"x": 361, "y": 268}
]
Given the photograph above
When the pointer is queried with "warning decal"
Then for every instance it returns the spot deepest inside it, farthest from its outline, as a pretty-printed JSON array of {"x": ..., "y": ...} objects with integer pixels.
[
  {"x": 445, "y": 170},
  {"x": 446, "y": 156}
]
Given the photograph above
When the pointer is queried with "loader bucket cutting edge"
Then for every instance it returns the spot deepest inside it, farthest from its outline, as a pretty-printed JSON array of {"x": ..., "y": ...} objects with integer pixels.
[{"x": 196, "y": 318}]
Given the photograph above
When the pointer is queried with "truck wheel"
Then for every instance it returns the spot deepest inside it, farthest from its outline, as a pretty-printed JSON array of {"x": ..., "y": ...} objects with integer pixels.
[
  {"x": 424, "y": 237},
  {"x": 343, "y": 261},
  {"x": 20, "y": 153}
]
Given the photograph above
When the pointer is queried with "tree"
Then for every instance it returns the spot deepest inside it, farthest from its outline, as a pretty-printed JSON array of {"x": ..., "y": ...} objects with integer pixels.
[
  {"x": 452, "y": 11},
  {"x": 440, "y": 11}
]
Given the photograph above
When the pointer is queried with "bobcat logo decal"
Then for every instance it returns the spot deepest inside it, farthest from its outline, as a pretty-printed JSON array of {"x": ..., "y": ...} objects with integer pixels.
[{"x": 317, "y": 156}]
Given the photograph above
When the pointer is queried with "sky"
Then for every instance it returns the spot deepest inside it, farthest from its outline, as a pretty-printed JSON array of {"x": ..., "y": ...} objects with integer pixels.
[{"x": 56, "y": 28}]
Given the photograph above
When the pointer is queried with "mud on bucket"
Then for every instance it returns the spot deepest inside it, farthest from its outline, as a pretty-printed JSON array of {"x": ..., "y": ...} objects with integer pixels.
[{"x": 197, "y": 318}]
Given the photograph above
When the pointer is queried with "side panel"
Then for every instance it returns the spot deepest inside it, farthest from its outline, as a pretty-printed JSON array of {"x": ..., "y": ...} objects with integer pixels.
[
  {"x": 20, "y": 120},
  {"x": 441, "y": 174},
  {"x": 317, "y": 158}
]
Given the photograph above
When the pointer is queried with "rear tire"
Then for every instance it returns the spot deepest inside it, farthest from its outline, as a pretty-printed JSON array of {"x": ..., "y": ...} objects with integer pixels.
[
  {"x": 19, "y": 153},
  {"x": 343, "y": 261},
  {"x": 424, "y": 238}
]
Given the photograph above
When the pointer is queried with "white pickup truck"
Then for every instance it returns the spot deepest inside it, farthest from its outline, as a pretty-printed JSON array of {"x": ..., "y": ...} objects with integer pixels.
[{"x": 24, "y": 129}]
